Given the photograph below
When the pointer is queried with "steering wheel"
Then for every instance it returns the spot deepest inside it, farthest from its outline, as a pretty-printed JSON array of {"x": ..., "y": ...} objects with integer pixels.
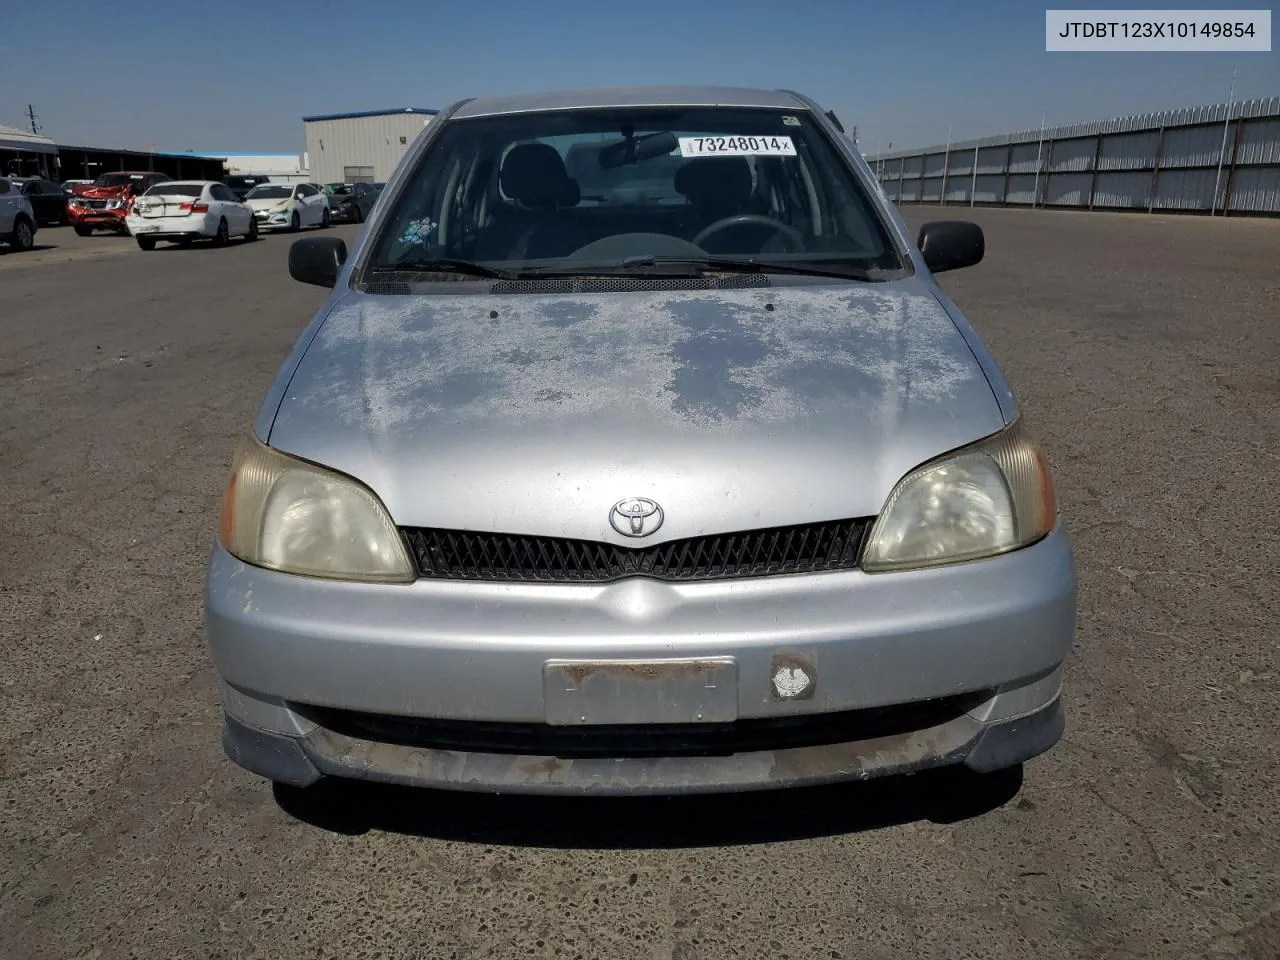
[{"x": 727, "y": 223}]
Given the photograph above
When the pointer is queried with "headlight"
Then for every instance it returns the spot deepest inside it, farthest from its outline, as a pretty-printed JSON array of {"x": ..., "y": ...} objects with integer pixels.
[
  {"x": 289, "y": 515},
  {"x": 985, "y": 499}
]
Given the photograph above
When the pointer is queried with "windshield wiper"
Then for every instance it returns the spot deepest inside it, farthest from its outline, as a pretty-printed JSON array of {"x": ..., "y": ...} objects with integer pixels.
[
  {"x": 443, "y": 265},
  {"x": 696, "y": 266}
]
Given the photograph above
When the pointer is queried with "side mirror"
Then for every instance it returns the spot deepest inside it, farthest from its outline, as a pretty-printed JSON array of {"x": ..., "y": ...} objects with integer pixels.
[
  {"x": 951, "y": 244},
  {"x": 317, "y": 260}
]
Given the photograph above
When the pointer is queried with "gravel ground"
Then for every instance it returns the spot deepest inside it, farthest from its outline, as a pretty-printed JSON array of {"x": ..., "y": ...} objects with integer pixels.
[{"x": 1144, "y": 350}]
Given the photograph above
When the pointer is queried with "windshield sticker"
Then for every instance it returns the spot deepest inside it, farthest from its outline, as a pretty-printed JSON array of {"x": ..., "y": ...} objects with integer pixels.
[
  {"x": 737, "y": 147},
  {"x": 417, "y": 231},
  {"x": 791, "y": 121}
]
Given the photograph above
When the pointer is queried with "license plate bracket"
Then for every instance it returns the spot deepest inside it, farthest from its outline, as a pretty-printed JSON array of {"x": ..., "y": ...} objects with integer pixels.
[{"x": 598, "y": 692}]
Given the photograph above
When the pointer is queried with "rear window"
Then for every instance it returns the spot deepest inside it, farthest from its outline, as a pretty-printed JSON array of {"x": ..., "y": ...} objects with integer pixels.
[{"x": 175, "y": 190}]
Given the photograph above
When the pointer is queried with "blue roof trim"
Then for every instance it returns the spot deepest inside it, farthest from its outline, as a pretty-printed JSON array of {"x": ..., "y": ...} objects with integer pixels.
[
  {"x": 139, "y": 153},
  {"x": 371, "y": 113}
]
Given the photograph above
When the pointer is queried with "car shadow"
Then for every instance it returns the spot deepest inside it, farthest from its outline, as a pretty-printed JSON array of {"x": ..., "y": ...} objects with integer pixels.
[
  {"x": 7, "y": 251},
  {"x": 352, "y": 807},
  {"x": 202, "y": 244}
]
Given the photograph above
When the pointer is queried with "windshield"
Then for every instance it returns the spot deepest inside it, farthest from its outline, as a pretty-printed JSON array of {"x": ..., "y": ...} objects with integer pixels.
[
  {"x": 594, "y": 188},
  {"x": 119, "y": 180},
  {"x": 268, "y": 191}
]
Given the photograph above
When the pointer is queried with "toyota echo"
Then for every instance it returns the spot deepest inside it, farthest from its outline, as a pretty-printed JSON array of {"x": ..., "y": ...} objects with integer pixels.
[{"x": 636, "y": 450}]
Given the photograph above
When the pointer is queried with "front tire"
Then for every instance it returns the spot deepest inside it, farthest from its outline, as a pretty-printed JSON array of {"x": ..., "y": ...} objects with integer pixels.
[
  {"x": 147, "y": 243},
  {"x": 252, "y": 235},
  {"x": 220, "y": 238},
  {"x": 83, "y": 231},
  {"x": 295, "y": 223},
  {"x": 324, "y": 219},
  {"x": 23, "y": 237}
]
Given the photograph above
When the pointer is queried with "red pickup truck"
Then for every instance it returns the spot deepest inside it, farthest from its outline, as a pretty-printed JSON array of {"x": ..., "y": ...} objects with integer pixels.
[{"x": 103, "y": 204}]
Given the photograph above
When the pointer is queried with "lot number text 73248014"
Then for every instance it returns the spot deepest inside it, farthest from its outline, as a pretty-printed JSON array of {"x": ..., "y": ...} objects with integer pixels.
[{"x": 767, "y": 146}]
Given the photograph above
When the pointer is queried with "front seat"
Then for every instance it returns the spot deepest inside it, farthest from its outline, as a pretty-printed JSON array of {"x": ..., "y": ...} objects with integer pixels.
[
  {"x": 533, "y": 175},
  {"x": 719, "y": 187}
]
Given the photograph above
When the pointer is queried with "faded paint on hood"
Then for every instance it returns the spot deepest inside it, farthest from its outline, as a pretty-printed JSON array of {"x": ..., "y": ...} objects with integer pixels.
[{"x": 734, "y": 409}]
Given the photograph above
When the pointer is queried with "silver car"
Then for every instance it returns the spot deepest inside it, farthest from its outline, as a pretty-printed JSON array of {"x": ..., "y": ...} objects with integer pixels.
[{"x": 636, "y": 450}]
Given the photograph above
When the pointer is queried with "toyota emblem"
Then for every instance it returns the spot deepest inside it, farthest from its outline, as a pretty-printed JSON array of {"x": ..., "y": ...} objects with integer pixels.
[{"x": 635, "y": 517}]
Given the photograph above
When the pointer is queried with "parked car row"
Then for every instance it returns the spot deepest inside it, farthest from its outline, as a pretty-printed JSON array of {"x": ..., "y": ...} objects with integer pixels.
[
  {"x": 182, "y": 211},
  {"x": 176, "y": 210}
]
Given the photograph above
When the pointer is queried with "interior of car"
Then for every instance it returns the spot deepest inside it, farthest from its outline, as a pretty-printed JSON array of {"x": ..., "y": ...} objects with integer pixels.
[{"x": 612, "y": 186}]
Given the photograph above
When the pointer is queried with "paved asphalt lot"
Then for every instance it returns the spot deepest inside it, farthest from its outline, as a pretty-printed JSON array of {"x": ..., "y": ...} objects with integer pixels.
[{"x": 1144, "y": 350}]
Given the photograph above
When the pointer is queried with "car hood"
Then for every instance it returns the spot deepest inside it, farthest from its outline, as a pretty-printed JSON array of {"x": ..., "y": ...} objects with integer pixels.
[
  {"x": 733, "y": 409},
  {"x": 265, "y": 204},
  {"x": 99, "y": 193}
]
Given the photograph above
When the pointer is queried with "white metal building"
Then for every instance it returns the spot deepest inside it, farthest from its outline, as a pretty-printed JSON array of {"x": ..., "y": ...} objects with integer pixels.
[
  {"x": 367, "y": 146},
  {"x": 280, "y": 167}
]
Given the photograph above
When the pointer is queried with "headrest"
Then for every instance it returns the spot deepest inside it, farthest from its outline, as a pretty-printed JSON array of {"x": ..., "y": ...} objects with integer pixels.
[
  {"x": 713, "y": 180},
  {"x": 534, "y": 175}
]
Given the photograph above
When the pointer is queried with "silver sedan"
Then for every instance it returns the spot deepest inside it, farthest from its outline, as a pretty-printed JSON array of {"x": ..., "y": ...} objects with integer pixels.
[{"x": 636, "y": 450}]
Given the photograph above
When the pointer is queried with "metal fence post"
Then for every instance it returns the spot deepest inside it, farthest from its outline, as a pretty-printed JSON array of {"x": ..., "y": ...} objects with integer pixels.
[
  {"x": 1093, "y": 176},
  {"x": 946, "y": 163},
  {"x": 1035, "y": 187},
  {"x": 1235, "y": 147},
  {"x": 973, "y": 184},
  {"x": 1008, "y": 162},
  {"x": 1226, "y": 126},
  {"x": 1155, "y": 170}
]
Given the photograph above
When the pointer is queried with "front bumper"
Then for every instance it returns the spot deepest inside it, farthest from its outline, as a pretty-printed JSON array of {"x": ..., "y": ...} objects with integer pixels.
[
  {"x": 274, "y": 220},
  {"x": 996, "y": 629},
  {"x": 103, "y": 218}
]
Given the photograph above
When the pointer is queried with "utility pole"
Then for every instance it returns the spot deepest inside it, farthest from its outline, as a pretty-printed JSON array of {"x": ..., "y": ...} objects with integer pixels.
[{"x": 31, "y": 116}]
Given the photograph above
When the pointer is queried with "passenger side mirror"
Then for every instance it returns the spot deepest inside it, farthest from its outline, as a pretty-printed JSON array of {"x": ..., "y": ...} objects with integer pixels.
[
  {"x": 951, "y": 244},
  {"x": 317, "y": 260}
]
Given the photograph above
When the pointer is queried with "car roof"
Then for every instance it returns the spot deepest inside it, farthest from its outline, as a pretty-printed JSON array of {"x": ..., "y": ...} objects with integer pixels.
[
  {"x": 188, "y": 183},
  {"x": 643, "y": 96}
]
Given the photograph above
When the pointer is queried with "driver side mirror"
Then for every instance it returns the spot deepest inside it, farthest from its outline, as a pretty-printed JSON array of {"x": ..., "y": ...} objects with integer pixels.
[
  {"x": 317, "y": 260},
  {"x": 951, "y": 244}
]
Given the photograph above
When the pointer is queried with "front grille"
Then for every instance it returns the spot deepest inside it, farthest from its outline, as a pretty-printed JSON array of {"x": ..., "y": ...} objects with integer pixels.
[
  {"x": 95, "y": 204},
  {"x": 645, "y": 740},
  {"x": 807, "y": 548}
]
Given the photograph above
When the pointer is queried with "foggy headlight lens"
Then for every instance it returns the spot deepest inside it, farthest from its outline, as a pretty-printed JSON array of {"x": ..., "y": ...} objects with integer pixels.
[
  {"x": 986, "y": 499},
  {"x": 289, "y": 515}
]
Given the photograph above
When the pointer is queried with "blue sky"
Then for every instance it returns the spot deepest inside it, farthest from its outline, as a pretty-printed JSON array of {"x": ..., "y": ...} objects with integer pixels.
[{"x": 238, "y": 76}]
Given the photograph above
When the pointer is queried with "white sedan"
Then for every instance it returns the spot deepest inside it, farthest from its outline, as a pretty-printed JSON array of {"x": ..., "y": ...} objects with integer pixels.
[
  {"x": 185, "y": 210},
  {"x": 288, "y": 206}
]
